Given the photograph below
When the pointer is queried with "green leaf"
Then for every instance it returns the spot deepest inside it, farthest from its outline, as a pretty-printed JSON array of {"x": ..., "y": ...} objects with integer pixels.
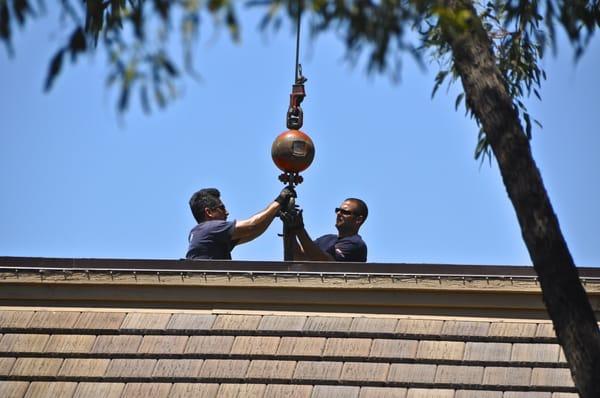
[
  {"x": 459, "y": 98},
  {"x": 144, "y": 99},
  {"x": 169, "y": 67},
  {"x": 54, "y": 69},
  {"x": 137, "y": 18},
  {"x": 527, "y": 124},
  {"x": 112, "y": 78},
  {"x": 4, "y": 22},
  {"x": 439, "y": 79},
  {"x": 159, "y": 97},
  {"x": 20, "y": 7},
  {"x": 232, "y": 24},
  {"x": 114, "y": 17},
  {"x": 163, "y": 7},
  {"x": 214, "y": 5},
  {"x": 94, "y": 18},
  {"x": 77, "y": 42},
  {"x": 124, "y": 98}
]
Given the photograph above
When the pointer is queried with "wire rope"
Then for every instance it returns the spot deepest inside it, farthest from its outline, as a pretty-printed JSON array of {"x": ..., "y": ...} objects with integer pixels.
[{"x": 298, "y": 70}]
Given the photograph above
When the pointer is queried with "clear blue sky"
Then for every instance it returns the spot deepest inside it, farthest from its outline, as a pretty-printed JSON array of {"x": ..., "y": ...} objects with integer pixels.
[{"x": 79, "y": 181}]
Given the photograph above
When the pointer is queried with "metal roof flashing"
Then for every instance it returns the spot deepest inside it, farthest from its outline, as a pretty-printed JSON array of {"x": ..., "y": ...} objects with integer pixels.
[{"x": 426, "y": 289}]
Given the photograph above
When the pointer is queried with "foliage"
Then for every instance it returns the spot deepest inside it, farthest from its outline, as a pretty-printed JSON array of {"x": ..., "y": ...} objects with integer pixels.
[
  {"x": 520, "y": 32},
  {"x": 136, "y": 33},
  {"x": 381, "y": 29},
  {"x": 518, "y": 48}
]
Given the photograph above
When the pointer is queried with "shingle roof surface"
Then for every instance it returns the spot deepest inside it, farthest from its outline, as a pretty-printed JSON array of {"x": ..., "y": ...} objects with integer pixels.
[
  {"x": 82, "y": 353},
  {"x": 164, "y": 328}
]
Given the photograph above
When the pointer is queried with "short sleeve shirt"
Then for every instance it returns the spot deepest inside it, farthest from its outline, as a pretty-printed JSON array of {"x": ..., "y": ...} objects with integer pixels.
[
  {"x": 349, "y": 248},
  {"x": 211, "y": 240}
]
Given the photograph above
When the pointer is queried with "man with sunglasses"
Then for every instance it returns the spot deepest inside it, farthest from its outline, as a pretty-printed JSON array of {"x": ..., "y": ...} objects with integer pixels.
[
  {"x": 214, "y": 237},
  {"x": 347, "y": 245}
]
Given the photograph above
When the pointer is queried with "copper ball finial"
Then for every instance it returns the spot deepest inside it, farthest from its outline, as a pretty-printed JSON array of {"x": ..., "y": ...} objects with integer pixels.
[{"x": 292, "y": 151}]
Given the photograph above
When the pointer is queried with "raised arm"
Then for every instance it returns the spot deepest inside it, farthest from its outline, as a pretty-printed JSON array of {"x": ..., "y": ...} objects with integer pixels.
[
  {"x": 310, "y": 251},
  {"x": 306, "y": 249},
  {"x": 253, "y": 227}
]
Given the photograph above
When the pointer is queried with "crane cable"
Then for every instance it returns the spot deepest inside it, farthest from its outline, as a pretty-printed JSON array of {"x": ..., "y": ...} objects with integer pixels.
[
  {"x": 298, "y": 66},
  {"x": 295, "y": 116}
]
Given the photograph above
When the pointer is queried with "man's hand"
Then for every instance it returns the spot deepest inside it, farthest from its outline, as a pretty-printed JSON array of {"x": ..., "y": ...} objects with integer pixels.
[
  {"x": 292, "y": 220},
  {"x": 284, "y": 196}
]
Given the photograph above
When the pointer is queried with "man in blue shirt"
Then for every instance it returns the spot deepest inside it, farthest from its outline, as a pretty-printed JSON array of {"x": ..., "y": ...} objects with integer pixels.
[
  {"x": 214, "y": 237},
  {"x": 347, "y": 245}
]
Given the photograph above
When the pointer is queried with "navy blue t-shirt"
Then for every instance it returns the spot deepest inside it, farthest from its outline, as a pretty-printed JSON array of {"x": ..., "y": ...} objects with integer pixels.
[
  {"x": 211, "y": 240},
  {"x": 349, "y": 248}
]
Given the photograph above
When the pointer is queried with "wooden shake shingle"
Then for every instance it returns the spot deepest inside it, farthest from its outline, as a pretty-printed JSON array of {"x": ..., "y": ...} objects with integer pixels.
[{"x": 318, "y": 330}]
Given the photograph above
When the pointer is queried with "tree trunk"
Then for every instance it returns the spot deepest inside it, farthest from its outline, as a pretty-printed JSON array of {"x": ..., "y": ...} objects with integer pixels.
[{"x": 565, "y": 298}]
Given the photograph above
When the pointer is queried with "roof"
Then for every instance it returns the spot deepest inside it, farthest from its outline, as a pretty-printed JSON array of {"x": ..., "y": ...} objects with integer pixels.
[{"x": 78, "y": 330}]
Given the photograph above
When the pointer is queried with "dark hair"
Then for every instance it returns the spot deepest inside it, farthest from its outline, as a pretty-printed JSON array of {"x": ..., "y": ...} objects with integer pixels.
[
  {"x": 362, "y": 210},
  {"x": 207, "y": 198}
]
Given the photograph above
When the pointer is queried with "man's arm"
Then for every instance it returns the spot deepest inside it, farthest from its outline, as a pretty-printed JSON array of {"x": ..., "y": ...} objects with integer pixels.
[
  {"x": 247, "y": 230},
  {"x": 306, "y": 249},
  {"x": 292, "y": 222},
  {"x": 297, "y": 252},
  {"x": 309, "y": 249}
]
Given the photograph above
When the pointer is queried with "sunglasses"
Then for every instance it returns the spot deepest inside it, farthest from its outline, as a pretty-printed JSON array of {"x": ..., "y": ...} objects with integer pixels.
[
  {"x": 344, "y": 212},
  {"x": 220, "y": 207}
]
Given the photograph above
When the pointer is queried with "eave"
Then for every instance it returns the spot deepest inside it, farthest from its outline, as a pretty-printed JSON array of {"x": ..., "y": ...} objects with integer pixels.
[{"x": 423, "y": 289}]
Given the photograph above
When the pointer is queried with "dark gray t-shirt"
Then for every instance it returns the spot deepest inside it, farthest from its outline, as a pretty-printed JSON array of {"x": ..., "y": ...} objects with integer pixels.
[
  {"x": 349, "y": 248},
  {"x": 211, "y": 240}
]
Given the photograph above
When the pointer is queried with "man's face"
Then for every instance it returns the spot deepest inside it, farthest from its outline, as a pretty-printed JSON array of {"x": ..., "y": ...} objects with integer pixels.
[
  {"x": 346, "y": 216},
  {"x": 219, "y": 212}
]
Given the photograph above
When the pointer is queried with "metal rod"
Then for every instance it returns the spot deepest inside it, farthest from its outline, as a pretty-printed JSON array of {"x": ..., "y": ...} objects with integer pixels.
[
  {"x": 288, "y": 248},
  {"x": 288, "y": 239}
]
